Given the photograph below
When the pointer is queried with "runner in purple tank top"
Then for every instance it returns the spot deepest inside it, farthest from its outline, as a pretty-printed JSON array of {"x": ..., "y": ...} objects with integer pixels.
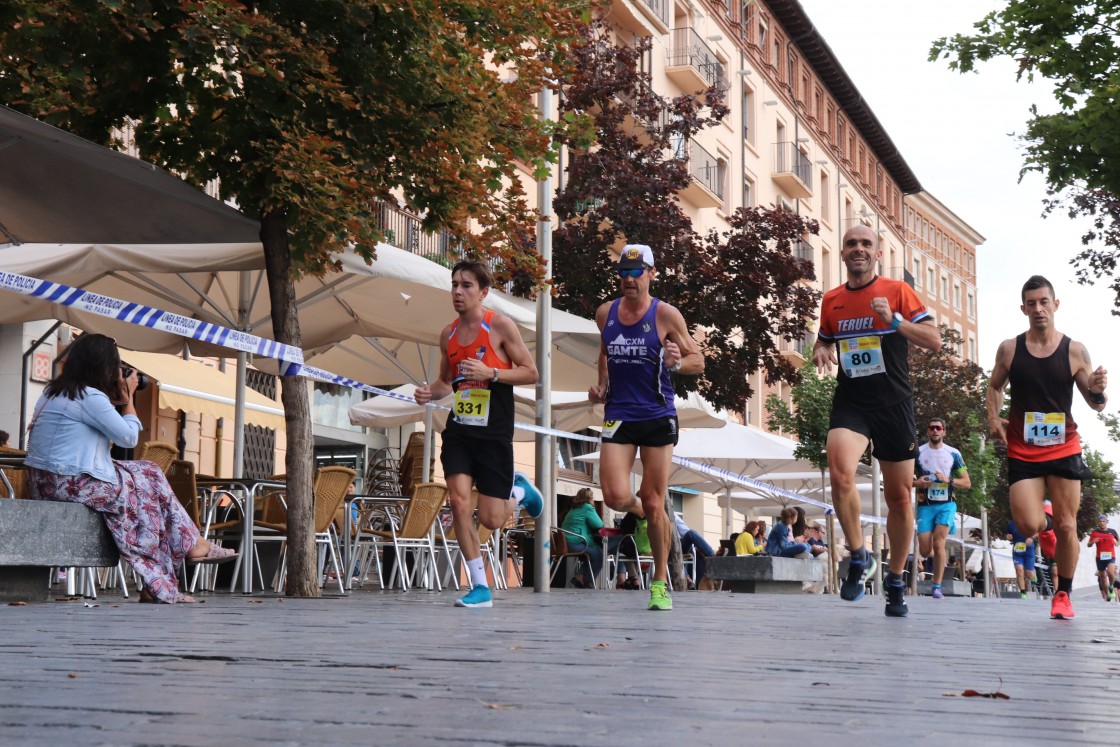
[{"x": 643, "y": 341}]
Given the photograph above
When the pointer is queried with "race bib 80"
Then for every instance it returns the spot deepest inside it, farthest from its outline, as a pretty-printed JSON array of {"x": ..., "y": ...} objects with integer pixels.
[{"x": 862, "y": 356}]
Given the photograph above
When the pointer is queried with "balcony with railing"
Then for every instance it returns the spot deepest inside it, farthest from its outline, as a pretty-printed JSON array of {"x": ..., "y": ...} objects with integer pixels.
[
  {"x": 692, "y": 64},
  {"x": 705, "y": 188},
  {"x": 404, "y": 230},
  {"x": 799, "y": 349},
  {"x": 804, "y": 250},
  {"x": 642, "y": 17},
  {"x": 642, "y": 120},
  {"x": 793, "y": 171}
]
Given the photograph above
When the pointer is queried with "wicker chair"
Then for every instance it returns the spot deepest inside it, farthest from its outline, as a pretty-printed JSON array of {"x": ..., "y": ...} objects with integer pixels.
[
  {"x": 160, "y": 452},
  {"x": 413, "y": 536},
  {"x": 331, "y": 484},
  {"x": 183, "y": 480}
]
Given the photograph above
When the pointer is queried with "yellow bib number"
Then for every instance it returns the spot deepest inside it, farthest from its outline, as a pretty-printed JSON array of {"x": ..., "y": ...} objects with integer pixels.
[
  {"x": 472, "y": 406},
  {"x": 1020, "y": 547}
]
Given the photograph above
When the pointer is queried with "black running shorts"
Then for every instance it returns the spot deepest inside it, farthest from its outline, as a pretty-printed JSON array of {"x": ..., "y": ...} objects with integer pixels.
[
  {"x": 890, "y": 428},
  {"x": 655, "y": 432},
  {"x": 489, "y": 462},
  {"x": 1070, "y": 468}
]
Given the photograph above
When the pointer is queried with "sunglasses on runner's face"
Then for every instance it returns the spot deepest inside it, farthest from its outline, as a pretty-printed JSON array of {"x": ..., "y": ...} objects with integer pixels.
[
  {"x": 936, "y": 428},
  {"x": 637, "y": 272}
]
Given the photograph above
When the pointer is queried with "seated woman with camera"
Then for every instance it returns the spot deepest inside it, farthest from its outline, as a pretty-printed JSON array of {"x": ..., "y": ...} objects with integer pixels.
[{"x": 68, "y": 460}]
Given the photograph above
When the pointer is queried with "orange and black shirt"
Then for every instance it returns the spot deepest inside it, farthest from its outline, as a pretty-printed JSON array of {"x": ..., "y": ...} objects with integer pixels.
[
  {"x": 480, "y": 409},
  {"x": 874, "y": 371}
]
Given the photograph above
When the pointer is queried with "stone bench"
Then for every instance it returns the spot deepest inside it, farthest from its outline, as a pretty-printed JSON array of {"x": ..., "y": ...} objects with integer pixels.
[
  {"x": 752, "y": 574},
  {"x": 36, "y": 536}
]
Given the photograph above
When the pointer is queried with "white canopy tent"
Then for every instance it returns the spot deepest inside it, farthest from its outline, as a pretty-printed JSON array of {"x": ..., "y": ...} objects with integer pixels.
[{"x": 571, "y": 412}]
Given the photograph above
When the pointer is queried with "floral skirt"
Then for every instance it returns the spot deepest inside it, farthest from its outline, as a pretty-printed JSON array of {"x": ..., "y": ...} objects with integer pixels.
[{"x": 151, "y": 528}]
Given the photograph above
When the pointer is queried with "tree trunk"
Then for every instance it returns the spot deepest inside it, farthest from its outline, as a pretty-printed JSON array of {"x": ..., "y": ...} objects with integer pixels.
[
  {"x": 676, "y": 564},
  {"x": 302, "y": 581}
]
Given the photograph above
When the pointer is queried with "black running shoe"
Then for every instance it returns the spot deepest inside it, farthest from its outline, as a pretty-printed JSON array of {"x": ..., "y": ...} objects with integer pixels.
[
  {"x": 851, "y": 590},
  {"x": 896, "y": 601}
]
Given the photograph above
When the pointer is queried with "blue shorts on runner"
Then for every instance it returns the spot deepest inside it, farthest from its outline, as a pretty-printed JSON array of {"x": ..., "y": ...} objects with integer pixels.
[
  {"x": 931, "y": 515},
  {"x": 1025, "y": 559}
]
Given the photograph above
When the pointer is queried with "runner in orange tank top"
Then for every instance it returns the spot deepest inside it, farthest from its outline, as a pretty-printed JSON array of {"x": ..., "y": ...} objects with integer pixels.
[{"x": 484, "y": 357}]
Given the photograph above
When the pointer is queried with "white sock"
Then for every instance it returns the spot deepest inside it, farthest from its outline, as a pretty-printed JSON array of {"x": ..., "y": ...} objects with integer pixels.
[
  {"x": 517, "y": 494},
  {"x": 478, "y": 572}
]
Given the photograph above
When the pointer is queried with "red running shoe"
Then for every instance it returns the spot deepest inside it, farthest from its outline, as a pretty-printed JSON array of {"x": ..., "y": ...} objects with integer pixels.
[{"x": 1060, "y": 608}]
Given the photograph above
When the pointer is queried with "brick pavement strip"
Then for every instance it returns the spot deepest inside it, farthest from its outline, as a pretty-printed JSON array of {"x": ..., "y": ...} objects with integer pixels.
[{"x": 566, "y": 668}]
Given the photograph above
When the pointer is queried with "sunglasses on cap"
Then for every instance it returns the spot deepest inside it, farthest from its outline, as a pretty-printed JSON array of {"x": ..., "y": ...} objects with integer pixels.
[{"x": 634, "y": 273}]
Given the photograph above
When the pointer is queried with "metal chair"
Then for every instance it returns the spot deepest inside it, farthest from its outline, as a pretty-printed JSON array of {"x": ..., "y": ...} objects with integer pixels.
[{"x": 560, "y": 552}]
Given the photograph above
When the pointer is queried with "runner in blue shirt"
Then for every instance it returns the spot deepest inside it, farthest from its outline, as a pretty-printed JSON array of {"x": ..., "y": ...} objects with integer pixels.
[{"x": 1022, "y": 555}]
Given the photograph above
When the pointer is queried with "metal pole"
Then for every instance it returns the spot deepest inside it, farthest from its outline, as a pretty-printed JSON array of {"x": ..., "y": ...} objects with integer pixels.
[
  {"x": 242, "y": 370},
  {"x": 985, "y": 557},
  {"x": 545, "y": 457},
  {"x": 876, "y": 531}
]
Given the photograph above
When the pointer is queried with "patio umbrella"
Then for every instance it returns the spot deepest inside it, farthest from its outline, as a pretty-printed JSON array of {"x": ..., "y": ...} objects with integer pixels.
[
  {"x": 571, "y": 411},
  {"x": 56, "y": 188}
]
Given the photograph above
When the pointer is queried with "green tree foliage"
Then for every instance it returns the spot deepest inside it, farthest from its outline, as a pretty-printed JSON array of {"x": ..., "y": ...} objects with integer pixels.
[
  {"x": 1076, "y": 47},
  {"x": 307, "y": 114},
  {"x": 807, "y": 419},
  {"x": 1073, "y": 45},
  {"x": 952, "y": 389},
  {"x": 739, "y": 290}
]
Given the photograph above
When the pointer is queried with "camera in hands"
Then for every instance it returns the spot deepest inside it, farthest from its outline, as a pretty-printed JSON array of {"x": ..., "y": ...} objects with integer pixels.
[{"x": 141, "y": 378}]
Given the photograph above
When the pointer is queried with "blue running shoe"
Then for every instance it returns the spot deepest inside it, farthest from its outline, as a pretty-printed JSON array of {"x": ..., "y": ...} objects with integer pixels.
[
  {"x": 531, "y": 499},
  {"x": 478, "y": 596},
  {"x": 851, "y": 590}
]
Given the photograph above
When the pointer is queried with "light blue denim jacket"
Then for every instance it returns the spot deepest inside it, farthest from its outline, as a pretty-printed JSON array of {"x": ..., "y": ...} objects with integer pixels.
[{"x": 71, "y": 436}]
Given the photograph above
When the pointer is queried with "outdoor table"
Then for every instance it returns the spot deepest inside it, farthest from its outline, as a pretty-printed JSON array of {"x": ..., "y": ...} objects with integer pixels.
[
  {"x": 249, "y": 489},
  {"x": 392, "y": 504}
]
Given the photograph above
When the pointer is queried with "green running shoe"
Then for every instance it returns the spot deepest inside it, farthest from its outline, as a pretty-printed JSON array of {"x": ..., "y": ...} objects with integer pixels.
[{"x": 659, "y": 598}]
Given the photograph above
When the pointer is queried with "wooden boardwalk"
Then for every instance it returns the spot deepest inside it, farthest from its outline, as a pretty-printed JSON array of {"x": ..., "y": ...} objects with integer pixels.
[{"x": 566, "y": 668}]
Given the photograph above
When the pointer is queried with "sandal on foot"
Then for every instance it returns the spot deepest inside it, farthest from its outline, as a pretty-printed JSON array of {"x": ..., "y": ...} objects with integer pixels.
[{"x": 214, "y": 555}]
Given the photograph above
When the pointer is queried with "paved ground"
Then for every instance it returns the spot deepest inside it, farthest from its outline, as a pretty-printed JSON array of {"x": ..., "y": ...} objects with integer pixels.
[{"x": 566, "y": 668}]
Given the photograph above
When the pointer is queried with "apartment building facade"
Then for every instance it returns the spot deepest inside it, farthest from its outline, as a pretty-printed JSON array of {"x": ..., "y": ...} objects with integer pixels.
[{"x": 799, "y": 135}]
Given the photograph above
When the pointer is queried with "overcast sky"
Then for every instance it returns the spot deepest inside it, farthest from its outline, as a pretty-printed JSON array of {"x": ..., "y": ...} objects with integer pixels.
[{"x": 957, "y": 133}]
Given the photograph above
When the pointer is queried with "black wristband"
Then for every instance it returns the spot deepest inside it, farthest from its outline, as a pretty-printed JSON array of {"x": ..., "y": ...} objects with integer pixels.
[{"x": 1098, "y": 398}]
